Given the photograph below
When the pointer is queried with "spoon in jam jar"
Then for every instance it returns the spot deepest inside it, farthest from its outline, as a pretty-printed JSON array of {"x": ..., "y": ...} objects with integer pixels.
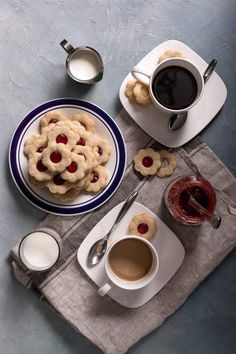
[
  {"x": 214, "y": 220},
  {"x": 98, "y": 249}
]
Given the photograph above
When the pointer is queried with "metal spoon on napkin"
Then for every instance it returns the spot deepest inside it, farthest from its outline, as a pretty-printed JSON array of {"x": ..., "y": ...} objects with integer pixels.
[
  {"x": 178, "y": 120},
  {"x": 99, "y": 248}
]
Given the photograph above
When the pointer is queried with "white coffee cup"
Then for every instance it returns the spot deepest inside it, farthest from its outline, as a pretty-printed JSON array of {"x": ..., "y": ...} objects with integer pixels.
[
  {"x": 146, "y": 76},
  {"x": 114, "y": 280}
]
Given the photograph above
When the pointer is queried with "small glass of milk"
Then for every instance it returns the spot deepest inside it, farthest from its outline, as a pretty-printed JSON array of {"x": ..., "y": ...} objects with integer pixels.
[
  {"x": 84, "y": 64},
  {"x": 40, "y": 250}
]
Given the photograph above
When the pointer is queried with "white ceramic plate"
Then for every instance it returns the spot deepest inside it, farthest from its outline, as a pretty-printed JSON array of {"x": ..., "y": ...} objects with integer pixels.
[
  {"x": 155, "y": 122},
  {"x": 42, "y": 198},
  {"x": 169, "y": 248}
]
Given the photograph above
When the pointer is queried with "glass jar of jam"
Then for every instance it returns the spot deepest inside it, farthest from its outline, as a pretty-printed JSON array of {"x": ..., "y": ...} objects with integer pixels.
[{"x": 176, "y": 198}]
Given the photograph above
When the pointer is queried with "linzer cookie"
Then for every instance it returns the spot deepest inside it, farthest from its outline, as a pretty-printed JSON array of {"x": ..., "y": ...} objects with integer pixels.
[
  {"x": 129, "y": 90},
  {"x": 69, "y": 196},
  {"x": 62, "y": 135},
  {"x": 38, "y": 169},
  {"x": 85, "y": 138},
  {"x": 147, "y": 161},
  {"x": 96, "y": 180},
  {"x": 170, "y": 54},
  {"x": 143, "y": 225},
  {"x": 58, "y": 185},
  {"x": 51, "y": 118},
  {"x": 76, "y": 170},
  {"x": 141, "y": 94},
  {"x": 168, "y": 163},
  {"x": 88, "y": 153},
  {"x": 56, "y": 157},
  {"x": 102, "y": 150},
  {"x": 86, "y": 121},
  {"x": 35, "y": 143},
  {"x": 137, "y": 92}
]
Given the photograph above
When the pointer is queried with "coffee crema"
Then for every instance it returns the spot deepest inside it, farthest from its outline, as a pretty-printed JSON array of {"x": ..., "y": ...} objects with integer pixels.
[
  {"x": 131, "y": 259},
  {"x": 175, "y": 87}
]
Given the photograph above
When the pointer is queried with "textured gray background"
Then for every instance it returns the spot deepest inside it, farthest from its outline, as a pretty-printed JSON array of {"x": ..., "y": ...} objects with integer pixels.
[{"x": 32, "y": 67}]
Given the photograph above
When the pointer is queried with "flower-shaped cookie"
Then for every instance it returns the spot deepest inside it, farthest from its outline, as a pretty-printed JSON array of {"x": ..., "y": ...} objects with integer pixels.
[
  {"x": 147, "y": 161},
  {"x": 72, "y": 124},
  {"x": 143, "y": 225},
  {"x": 85, "y": 138},
  {"x": 62, "y": 135},
  {"x": 51, "y": 118},
  {"x": 96, "y": 180},
  {"x": 38, "y": 184},
  {"x": 58, "y": 185},
  {"x": 76, "y": 170},
  {"x": 88, "y": 153},
  {"x": 170, "y": 54},
  {"x": 86, "y": 121},
  {"x": 141, "y": 94},
  {"x": 129, "y": 90},
  {"x": 166, "y": 169},
  {"x": 38, "y": 169},
  {"x": 102, "y": 150},
  {"x": 56, "y": 157},
  {"x": 35, "y": 143},
  {"x": 69, "y": 196}
]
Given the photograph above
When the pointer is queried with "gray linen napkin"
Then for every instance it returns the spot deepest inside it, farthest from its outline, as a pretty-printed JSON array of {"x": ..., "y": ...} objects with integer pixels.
[{"x": 68, "y": 290}]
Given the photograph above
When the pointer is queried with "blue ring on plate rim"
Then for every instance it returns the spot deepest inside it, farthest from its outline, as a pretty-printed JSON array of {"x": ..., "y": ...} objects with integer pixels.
[{"x": 90, "y": 204}]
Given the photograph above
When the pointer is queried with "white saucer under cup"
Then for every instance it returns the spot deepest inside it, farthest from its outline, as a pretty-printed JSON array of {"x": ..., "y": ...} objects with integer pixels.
[
  {"x": 169, "y": 248},
  {"x": 155, "y": 122}
]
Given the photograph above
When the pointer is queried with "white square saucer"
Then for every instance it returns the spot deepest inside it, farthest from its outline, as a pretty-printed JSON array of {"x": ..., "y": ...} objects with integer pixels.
[
  {"x": 169, "y": 248},
  {"x": 155, "y": 122}
]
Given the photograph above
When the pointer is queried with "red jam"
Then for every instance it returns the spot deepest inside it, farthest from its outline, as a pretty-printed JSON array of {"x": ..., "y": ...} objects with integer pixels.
[
  {"x": 58, "y": 180},
  {"x": 177, "y": 197},
  {"x": 197, "y": 194},
  {"x": 95, "y": 177},
  {"x": 72, "y": 168},
  {"x": 147, "y": 161},
  {"x": 81, "y": 142},
  {"x": 61, "y": 139},
  {"x": 100, "y": 150},
  {"x": 143, "y": 228},
  {"x": 53, "y": 120},
  {"x": 55, "y": 156},
  {"x": 41, "y": 167}
]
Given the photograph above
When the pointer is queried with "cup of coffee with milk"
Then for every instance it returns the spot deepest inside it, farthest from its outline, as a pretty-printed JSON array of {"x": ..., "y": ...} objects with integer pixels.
[
  {"x": 131, "y": 263},
  {"x": 175, "y": 85},
  {"x": 84, "y": 64}
]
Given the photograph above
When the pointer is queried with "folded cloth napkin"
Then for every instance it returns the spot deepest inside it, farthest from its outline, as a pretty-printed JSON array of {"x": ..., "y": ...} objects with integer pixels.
[{"x": 69, "y": 291}]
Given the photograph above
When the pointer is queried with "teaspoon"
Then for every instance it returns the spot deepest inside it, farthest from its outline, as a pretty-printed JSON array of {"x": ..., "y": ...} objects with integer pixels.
[
  {"x": 176, "y": 121},
  {"x": 214, "y": 220},
  {"x": 98, "y": 249}
]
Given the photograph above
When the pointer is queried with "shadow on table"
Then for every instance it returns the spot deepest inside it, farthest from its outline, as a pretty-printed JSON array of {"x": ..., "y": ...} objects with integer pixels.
[{"x": 71, "y": 88}]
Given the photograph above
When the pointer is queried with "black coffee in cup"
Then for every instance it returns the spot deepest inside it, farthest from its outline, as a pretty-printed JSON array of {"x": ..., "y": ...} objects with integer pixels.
[{"x": 175, "y": 87}]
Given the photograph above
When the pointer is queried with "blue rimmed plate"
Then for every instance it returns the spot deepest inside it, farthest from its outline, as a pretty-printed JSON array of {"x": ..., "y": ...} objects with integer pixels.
[{"x": 85, "y": 202}]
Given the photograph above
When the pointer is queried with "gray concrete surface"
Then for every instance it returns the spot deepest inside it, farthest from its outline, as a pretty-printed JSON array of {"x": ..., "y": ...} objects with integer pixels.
[{"x": 32, "y": 69}]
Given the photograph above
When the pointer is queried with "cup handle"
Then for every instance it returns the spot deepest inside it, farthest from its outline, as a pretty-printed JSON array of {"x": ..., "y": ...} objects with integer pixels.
[
  {"x": 141, "y": 74},
  {"x": 104, "y": 289},
  {"x": 66, "y": 46}
]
